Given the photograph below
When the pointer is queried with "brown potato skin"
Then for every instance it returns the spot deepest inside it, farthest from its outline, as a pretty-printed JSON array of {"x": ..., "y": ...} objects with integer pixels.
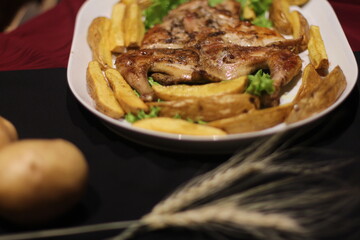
[
  {"x": 8, "y": 133},
  {"x": 279, "y": 15},
  {"x": 40, "y": 180}
]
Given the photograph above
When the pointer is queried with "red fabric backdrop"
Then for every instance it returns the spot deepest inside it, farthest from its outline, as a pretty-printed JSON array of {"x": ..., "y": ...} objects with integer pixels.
[{"x": 44, "y": 42}]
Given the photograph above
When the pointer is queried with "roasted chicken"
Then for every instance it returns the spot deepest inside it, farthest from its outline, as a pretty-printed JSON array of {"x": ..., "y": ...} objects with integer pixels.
[{"x": 197, "y": 43}]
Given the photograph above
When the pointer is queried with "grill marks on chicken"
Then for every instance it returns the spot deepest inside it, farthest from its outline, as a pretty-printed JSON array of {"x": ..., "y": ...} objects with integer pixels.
[{"x": 197, "y": 43}]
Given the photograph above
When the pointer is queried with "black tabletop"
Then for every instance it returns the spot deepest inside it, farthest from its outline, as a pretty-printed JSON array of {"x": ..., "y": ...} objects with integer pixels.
[{"x": 127, "y": 179}]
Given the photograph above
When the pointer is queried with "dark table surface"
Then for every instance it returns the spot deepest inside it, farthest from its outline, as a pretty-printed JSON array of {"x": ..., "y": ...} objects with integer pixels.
[{"x": 126, "y": 179}]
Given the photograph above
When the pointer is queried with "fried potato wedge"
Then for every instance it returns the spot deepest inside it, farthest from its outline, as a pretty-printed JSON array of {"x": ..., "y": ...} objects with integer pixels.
[
  {"x": 317, "y": 51},
  {"x": 298, "y": 2},
  {"x": 255, "y": 120},
  {"x": 181, "y": 91},
  {"x": 310, "y": 81},
  {"x": 116, "y": 33},
  {"x": 300, "y": 29},
  {"x": 208, "y": 108},
  {"x": 125, "y": 95},
  {"x": 98, "y": 40},
  {"x": 327, "y": 92},
  {"x": 279, "y": 14},
  {"x": 177, "y": 126},
  {"x": 134, "y": 29},
  {"x": 101, "y": 92}
]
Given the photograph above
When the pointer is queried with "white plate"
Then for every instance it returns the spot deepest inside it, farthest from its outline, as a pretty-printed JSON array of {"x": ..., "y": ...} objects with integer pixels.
[{"x": 317, "y": 12}]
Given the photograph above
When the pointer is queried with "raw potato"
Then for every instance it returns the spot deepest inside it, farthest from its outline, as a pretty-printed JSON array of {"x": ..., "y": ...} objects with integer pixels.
[
  {"x": 317, "y": 51},
  {"x": 177, "y": 126},
  {"x": 177, "y": 92},
  {"x": 208, "y": 108},
  {"x": 40, "y": 180},
  {"x": 279, "y": 14},
  {"x": 255, "y": 120},
  {"x": 98, "y": 39},
  {"x": 8, "y": 133},
  {"x": 300, "y": 29},
  {"x": 124, "y": 94},
  {"x": 100, "y": 91},
  {"x": 116, "y": 33},
  {"x": 310, "y": 81},
  {"x": 327, "y": 92}
]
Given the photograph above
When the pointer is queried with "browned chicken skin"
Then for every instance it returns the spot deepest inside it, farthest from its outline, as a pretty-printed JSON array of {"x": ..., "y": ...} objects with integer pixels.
[{"x": 197, "y": 43}]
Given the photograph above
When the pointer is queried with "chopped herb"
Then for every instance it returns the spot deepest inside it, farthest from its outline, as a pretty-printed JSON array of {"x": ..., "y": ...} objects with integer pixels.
[
  {"x": 131, "y": 117},
  {"x": 152, "y": 82},
  {"x": 215, "y": 2},
  {"x": 260, "y": 83},
  {"x": 262, "y": 21}
]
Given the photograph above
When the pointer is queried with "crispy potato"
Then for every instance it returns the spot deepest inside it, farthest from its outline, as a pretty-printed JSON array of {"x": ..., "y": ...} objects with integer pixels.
[
  {"x": 125, "y": 95},
  {"x": 298, "y": 2},
  {"x": 255, "y": 120},
  {"x": 116, "y": 33},
  {"x": 209, "y": 108},
  {"x": 300, "y": 29},
  {"x": 143, "y": 4},
  {"x": 279, "y": 14},
  {"x": 177, "y": 92},
  {"x": 317, "y": 52},
  {"x": 100, "y": 91},
  {"x": 133, "y": 32},
  {"x": 177, "y": 126},
  {"x": 327, "y": 92},
  {"x": 247, "y": 12},
  {"x": 99, "y": 42},
  {"x": 310, "y": 81},
  {"x": 8, "y": 132}
]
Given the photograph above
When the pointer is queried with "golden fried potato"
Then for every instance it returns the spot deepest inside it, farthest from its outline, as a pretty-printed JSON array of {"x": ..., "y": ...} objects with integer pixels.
[
  {"x": 279, "y": 14},
  {"x": 98, "y": 40},
  {"x": 298, "y": 2},
  {"x": 133, "y": 30},
  {"x": 177, "y": 126},
  {"x": 310, "y": 81},
  {"x": 208, "y": 108},
  {"x": 116, "y": 33},
  {"x": 100, "y": 91},
  {"x": 181, "y": 91},
  {"x": 327, "y": 92},
  {"x": 143, "y": 4},
  {"x": 317, "y": 52},
  {"x": 255, "y": 120},
  {"x": 8, "y": 132},
  {"x": 300, "y": 29},
  {"x": 125, "y": 95}
]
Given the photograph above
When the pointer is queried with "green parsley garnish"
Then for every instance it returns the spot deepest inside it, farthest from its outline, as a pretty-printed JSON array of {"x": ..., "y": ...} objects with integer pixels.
[
  {"x": 131, "y": 117},
  {"x": 260, "y": 83}
]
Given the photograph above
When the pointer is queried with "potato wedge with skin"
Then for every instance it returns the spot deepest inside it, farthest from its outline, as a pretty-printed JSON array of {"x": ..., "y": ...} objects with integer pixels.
[
  {"x": 124, "y": 94},
  {"x": 132, "y": 31},
  {"x": 317, "y": 51},
  {"x": 8, "y": 132},
  {"x": 298, "y": 2},
  {"x": 310, "y": 81},
  {"x": 99, "y": 42},
  {"x": 327, "y": 92},
  {"x": 181, "y": 91},
  {"x": 116, "y": 33},
  {"x": 279, "y": 14},
  {"x": 177, "y": 126},
  {"x": 255, "y": 120},
  {"x": 101, "y": 92},
  {"x": 300, "y": 29},
  {"x": 208, "y": 108}
]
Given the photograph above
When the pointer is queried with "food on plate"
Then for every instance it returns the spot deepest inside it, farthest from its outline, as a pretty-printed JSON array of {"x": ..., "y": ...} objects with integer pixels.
[
  {"x": 183, "y": 91},
  {"x": 208, "y": 108},
  {"x": 254, "y": 120},
  {"x": 215, "y": 62},
  {"x": 125, "y": 95},
  {"x": 323, "y": 96},
  {"x": 98, "y": 40},
  {"x": 100, "y": 91},
  {"x": 317, "y": 51},
  {"x": 310, "y": 81},
  {"x": 300, "y": 29},
  {"x": 8, "y": 133},
  {"x": 177, "y": 126},
  {"x": 116, "y": 33},
  {"x": 40, "y": 180},
  {"x": 279, "y": 14}
]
